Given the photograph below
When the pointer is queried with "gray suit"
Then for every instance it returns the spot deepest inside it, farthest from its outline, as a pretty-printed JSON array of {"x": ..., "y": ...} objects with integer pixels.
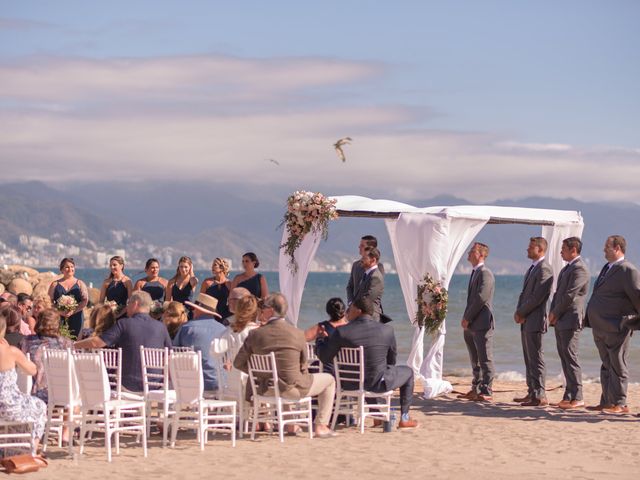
[
  {"x": 357, "y": 271},
  {"x": 479, "y": 334},
  {"x": 372, "y": 286},
  {"x": 617, "y": 294},
  {"x": 568, "y": 306},
  {"x": 532, "y": 306}
]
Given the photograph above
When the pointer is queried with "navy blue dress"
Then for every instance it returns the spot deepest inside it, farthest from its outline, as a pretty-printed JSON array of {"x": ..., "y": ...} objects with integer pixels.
[
  {"x": 253, "y": 285},
  {"x": 76, "y": 320},
  {"x": 330, "y": 329},
  {"x": 182, "y": 295},
  {"x": 117, "y": 292},
  {"x": 155, "y": 289},
  {"x": 221, "y": 293}
]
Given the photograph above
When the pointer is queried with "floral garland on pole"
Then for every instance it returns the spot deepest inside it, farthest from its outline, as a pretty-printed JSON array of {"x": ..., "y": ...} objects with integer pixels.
[
  {"x": 306, "y": 212},
  {"x": 432, "y": 304}
]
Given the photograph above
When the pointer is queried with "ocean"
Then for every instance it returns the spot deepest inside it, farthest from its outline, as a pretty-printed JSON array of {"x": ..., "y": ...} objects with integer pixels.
[{"x": 508, "y": 357}]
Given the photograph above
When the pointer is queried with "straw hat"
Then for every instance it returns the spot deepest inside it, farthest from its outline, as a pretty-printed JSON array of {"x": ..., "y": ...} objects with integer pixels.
[{"x": 205, "y": 303}]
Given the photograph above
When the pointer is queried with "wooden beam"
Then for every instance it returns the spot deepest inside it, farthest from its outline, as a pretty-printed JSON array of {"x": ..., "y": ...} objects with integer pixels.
[{"x": 492, "y": 220}]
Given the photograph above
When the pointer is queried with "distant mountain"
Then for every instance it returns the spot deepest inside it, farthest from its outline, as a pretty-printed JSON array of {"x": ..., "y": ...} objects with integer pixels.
[{"x": 205, "y": 221}]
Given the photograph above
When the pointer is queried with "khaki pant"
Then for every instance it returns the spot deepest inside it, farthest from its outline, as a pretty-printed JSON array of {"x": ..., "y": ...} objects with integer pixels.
[{"x": 323, "y": 387}]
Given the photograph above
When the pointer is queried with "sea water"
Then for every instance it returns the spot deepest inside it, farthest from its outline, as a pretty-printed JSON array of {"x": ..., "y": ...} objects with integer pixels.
[{"x": 508, "y": 356}]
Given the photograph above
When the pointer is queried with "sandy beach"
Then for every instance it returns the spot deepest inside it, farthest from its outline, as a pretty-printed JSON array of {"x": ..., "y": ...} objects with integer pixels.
[{"x": 456, "y": 439}]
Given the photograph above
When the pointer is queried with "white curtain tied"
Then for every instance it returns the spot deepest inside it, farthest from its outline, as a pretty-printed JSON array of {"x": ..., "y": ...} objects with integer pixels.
[{"x": 429, "y": 243}]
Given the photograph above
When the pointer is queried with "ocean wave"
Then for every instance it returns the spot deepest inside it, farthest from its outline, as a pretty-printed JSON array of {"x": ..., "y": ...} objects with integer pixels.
[{"x": 510, "y": 376}]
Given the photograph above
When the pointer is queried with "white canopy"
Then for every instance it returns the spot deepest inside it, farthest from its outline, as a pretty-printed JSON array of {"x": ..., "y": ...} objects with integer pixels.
[{"x": 428, "y": 240}]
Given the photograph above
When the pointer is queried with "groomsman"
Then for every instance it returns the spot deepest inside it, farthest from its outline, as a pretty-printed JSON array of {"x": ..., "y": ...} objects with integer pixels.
[
  {"x": 478, "y": 324},
  {"x": 371, "y": 283},
  {"x": 357, "y": 270},
  {"x": 616, "y": 293},
  {"x": 566, "y": 315},
  {"x": 531, "y": 314}
]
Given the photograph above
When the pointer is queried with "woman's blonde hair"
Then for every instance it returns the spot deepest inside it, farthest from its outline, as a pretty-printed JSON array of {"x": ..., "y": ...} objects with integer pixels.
[
  {"x": 246, "y": 313},
  {"x": 173, "y": 317},
  {"x": 223, "y": 264},
  {"x": 182, "y": 260},
  {"x": 48, "y": 323},
  {"x": 102, "y": 319}
]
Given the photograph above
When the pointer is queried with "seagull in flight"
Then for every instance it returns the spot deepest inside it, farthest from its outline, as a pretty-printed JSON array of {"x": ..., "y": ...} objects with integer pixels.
[
  {"x": 275, "y": 162},
  {"x": 338, "y": 146}
]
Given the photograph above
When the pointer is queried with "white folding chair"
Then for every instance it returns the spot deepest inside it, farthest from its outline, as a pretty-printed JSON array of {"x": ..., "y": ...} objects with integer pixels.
[
  {"x": 230, "y": 382},
  {"x": 62, "y": 386},
  {"x": 16, "y": 435},
  {"x": 112, "y": 358},
  {"x": 350, "y": 393},
  {"x": 269, "y": 406},
  {"x": 157, "y": 395},
  {"x": 25, "y": 382},
  {"x": 99, "y": 411},
  {"x": 191, "y": 408},
  {"x": 314, "y": 365}
]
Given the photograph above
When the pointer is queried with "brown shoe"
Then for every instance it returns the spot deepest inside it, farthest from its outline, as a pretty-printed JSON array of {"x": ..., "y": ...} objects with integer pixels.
[
  {"x": 483, "y": 397},
  {"x": 377, "y": 422},
  {"x": 535, "y": 402},
  {"x": 522, "y": 399},
  {"x": 408, "y": 424},
  {"x": 466, "y": 396},
  {"x": 572, "y": 405},
  {"x": 597, "y": 408},
  {"x": 616, "y": 409}
]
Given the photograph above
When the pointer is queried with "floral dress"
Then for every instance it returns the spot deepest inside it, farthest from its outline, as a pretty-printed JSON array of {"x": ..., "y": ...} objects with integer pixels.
[{"x": 16, "y": 406}]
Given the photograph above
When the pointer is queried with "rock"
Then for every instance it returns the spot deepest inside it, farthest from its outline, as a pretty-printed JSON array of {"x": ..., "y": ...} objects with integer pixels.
[
  {"x": 1, "y": 288},
  {"x": 94, "y": 295},
  {"x": 20, "y": 285},
  {"x": 32, "y": 272},
  {"x": 41, "y": 289},
  {"x": 6, "y": 276}
]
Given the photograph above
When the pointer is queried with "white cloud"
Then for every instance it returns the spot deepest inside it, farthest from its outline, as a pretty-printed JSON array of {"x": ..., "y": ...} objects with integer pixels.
[{"x": 219, "y": 118}]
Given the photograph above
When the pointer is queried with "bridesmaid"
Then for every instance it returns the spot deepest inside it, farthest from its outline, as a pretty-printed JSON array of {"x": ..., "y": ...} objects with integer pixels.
[
  {"x": 183, "y": 283},
  {"x": 70, "y": 285},
  {"x": 153, "y": 283},
  {"x": 250, "y": 279},
  {"x": 117, "y": 286},
  {"x": 218, "y": 286}
]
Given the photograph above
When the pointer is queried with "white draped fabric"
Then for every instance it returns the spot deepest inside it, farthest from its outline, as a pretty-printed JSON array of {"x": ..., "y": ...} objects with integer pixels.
[
  {"x": 429, "y": 243},
  {"x": 428, "y": 240},
  {"x": 292, "y": 285}
]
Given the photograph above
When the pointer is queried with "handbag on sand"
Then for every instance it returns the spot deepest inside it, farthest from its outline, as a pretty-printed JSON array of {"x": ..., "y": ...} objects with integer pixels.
[{"x": 24, "y": 463}]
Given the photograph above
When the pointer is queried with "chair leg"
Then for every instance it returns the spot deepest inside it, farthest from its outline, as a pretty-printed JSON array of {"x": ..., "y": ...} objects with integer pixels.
[
  {"x": 165, "y": 422},
  {"x": 107, "y": 435},
  {"x": 336, "y": 411},
  {"x": 174, "y": 426},
  {"x": 202, "y": 431},
  {"x": 254, "y": 419},
  {"x": 70, "y": 428},
  {"x": 361, "y": 410},
  {"x": 144, "y": 431},
  {"x": 309, "y": 422},
  {"x": 280, "y": 420},
  {"x": 233, "y": 426},
  {"x": 83, "y": 427}
]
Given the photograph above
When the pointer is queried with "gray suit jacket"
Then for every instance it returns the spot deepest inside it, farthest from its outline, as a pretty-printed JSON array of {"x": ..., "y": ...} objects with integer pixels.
[
  {"x": 372, "y": 286},
  {"x": 532, "y": 303},
  {"x": 618, "y": 295},
  {"x": 479, "y": 310},
  {"x": 568, "y": 304},
  {"x": 357, "y": 271}
]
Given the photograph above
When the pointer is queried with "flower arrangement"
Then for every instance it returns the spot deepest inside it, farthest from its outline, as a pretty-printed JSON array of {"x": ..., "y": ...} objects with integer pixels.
[
  {"x": 306, "y": 212},
  {"x": 66, "y": 304},
  {"x": 156, "y": 309},
  {"x": 116, "y": 308},
  {"x": 432, "y": 304}
]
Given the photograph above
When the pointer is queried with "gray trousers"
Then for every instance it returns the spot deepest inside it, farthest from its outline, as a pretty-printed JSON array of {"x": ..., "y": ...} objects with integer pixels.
[
  {"x": 567, "y": 343},
  {"x": 480, "y": 347},
  {"x": 614, "y": 374},
  {"x": 534, "y": 363}
]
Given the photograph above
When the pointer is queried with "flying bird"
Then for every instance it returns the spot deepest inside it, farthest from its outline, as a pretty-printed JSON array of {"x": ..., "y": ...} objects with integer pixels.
[
  {"x": 275, "y": 162},
  {"x": 338, "y": 146}
]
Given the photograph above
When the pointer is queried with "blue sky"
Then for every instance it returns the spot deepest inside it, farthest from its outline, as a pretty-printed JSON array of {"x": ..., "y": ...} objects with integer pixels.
[{"x": 515, "y": 96}]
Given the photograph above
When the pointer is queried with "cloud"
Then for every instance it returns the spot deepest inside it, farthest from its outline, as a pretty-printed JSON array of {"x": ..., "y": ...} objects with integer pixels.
[
  {"x": 21, "y": 25},
  {"x": 218, "y": 118}
]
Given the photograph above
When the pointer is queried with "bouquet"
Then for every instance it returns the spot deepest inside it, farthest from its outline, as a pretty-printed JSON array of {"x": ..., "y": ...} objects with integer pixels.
[
  {"x": 67, "y": 304},
  {"x": 432, "y": 304},
  {"x": 156, "y": 309},
  {"x": 306, "y": 212},
  {"x": 116, "y": 308}
]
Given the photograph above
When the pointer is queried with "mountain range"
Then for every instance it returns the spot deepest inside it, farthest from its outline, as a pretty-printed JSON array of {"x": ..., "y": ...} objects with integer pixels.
[{"x": 209, "y": 220}]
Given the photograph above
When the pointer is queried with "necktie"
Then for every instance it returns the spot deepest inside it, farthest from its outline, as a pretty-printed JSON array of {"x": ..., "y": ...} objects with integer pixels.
[
  {"x": 526, "y": 275},
  {"x": 470, "y": 280},
  {"x": 562, "y": 271},
  {"x": 603, "y": 273}
]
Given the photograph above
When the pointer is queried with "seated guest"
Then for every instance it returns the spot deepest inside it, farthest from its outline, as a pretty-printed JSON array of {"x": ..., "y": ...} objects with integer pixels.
[
  {"x": 173, "y": 317},
  {"x": 336, "y": 310},
  {"x": 199, "y": 332},
  {"x": 47, "y": 335},
  {"x": 16, "y": 406},
  {"x": 25, "y": 306},
  {"x": 12, "y": 322},
  {"x": 288, "y": 343},
  {"x": 381, "y": 373},
  {"x": 40, "y": 302},
  {"x": 102, "y": 319},
  {"x": 235, "y": 295},
  {"x": 129, "y": 333}
]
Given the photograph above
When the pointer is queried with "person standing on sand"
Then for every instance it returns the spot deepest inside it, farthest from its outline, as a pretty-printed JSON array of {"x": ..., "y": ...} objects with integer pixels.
[
  {"x": 566, "y": 315},
  {"x": 478, "y": 325},
  {"x": 357, "y": 270},
  {"x": 616, "y": 293},
  {"x": 531, "y": 315}
]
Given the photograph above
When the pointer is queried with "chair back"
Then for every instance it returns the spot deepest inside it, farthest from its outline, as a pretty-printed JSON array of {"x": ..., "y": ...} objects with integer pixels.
[
  {"x": 25, "y": 382},
  {"x": 185, "y": 369},
  {"x": 261, "y": 368},
  {"x": 62, "y": 383},
  {"x": 93, "y": 379},
  {"x": 314, "y": 365},
  {"x": 155, "y": 368},
  {"x": 112, "y": 358},
  {"x": 182, "y": 349},
  {"x": 348, "y": 367}
]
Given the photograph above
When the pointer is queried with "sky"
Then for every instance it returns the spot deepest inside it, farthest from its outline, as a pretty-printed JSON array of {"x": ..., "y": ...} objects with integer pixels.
[{"x": 482, "y": 100}]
